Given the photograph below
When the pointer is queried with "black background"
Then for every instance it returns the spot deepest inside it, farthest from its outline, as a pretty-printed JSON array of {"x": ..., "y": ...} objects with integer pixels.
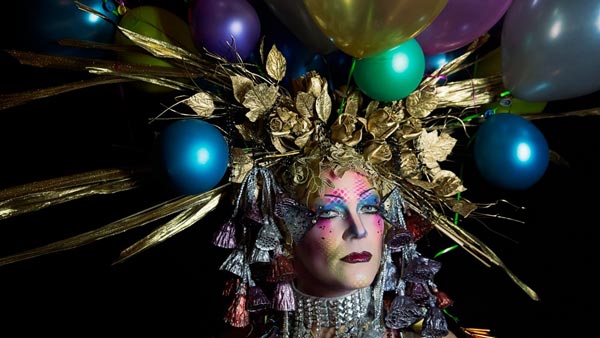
[{"x": 176, "y": 286}]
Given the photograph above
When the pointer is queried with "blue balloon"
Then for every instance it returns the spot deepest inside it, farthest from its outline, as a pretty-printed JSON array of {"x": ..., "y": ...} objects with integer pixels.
[
  {"x": 510, "y": 151},
  {"x": 195, "y": 155},
  {"x": 299, "y": 58},
  {"x": 37, "y": 25}
]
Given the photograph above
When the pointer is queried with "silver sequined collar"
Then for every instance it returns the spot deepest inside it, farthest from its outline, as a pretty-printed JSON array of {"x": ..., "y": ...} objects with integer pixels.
[{"x": 335, "y": 312}]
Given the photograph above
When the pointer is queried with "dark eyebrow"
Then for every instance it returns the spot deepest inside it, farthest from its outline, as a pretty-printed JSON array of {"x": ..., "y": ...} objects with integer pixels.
[
  {"x": 360, "y": 195},
  {"x": 368, "y": 190}
]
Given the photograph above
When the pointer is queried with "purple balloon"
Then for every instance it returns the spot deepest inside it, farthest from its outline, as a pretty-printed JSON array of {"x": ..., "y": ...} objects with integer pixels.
[
  {"x": 460, "y": 23},
  {"x": 551, "y": 48},
  {"x": 227, "y": 28}
]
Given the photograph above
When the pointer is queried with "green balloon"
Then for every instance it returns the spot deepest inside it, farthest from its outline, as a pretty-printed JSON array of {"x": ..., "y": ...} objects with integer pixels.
[{"x": 393, "y": 74}]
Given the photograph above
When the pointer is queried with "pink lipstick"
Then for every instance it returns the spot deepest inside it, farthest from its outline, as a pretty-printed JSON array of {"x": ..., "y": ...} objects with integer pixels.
[{"x": 357, "y": 257}]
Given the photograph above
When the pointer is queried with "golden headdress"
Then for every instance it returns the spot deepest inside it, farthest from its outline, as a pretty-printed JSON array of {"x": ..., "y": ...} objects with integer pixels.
[{"x": 295, "y": 135}]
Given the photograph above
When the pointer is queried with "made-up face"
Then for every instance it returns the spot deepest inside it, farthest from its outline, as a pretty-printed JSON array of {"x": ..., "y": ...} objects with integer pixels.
[{"x": 342, "y": 250}]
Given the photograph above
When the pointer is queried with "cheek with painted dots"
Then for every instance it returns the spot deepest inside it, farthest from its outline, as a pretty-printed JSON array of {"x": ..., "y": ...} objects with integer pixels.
[{"x": 325, "y": 225}]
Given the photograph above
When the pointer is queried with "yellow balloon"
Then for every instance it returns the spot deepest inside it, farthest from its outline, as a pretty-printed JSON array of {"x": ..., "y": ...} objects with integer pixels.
[
  {"x": 491, "y": 64},
  {"x": 363, "y": 28},
  {"x": 157, "y": 23}
]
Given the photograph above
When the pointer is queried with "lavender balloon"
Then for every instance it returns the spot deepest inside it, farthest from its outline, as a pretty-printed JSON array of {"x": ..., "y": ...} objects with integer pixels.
[
  {"x": 228, "y": 28},
  {"x": 460, "y": 23},
  {"x": 551, "y": 49}
]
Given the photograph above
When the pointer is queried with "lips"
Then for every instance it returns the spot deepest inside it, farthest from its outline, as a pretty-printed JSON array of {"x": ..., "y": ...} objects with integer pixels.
[{"x": 357, "y": 257}]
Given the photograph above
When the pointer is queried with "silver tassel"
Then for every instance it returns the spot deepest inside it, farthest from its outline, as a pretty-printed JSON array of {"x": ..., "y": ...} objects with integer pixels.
[
  {"x": 259, "y": 256},
  {"x": 235, "y": 263},
  {"x": 268, "y": 237},
  {"x": 378, "y": 290},
  {"x": 390, "y": 279}
]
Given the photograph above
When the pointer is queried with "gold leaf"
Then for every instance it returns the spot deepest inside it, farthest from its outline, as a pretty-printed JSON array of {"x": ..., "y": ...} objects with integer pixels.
[
  {"x": 468, "y": 93},
  {"x": 301, "y": 140},
  {"x": 435, "y": 147},
  {"x": 182, "y": 221},
  {"x": 279, "y": 145},
  {"x": 355, "y": 139},
  {"x": 428, "y": 161},
  {"x": 462, "y": 207},
  {"x": 241, "y": 85},
  {"x": 448, "y": 184},
  {"x": 43, "y": 194},
  {"x": 261, "y": 50},
  {"x": 241, "y": 164},
  {"x": 285, "y": 114},
  {"x": 117, "y": 227},
  {"x": 305, "y": 103},
  {"x": 201, "y": 103},
  {"x": 421, "y": 103},
  {"x": 409, "y": 164},
  {"x": 426, "y": 141},
  {"x": 377, "y": 152},
  {"x": 410, "y": 129},
  {"x": 381, "y": 124},
  {"x": 315, "y": 87},
  {"x": 422, "y": 184},
  {"x": 276, "y": 65},
  {"x": 159, "y": 48},
  {"x": 259, "y": 100},
  {"x": 343, "y": 130},
  {"x": 371, "y": 107},
  {"x": 443, "y": 147},
  {"x": 323, "y": 105},
  {"x": 247, "y": 130},
  {"x": 352, "y": 103}
]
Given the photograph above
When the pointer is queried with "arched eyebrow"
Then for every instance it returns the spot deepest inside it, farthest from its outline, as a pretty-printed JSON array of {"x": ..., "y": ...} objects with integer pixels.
[
  {"x": 368, "y": 190},
  {"x": 335, "y": 196},
  {"x": 361, "y": 195}
]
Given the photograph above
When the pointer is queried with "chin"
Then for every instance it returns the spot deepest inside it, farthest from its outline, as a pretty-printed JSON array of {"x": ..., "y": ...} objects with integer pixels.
[{"x": 359, "y": 280}]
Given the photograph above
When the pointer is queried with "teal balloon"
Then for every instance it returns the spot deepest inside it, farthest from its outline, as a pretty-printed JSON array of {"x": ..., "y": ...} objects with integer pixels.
[
  {"x": 393, "y": 74},
  {"x": 194, "y": 155},
  {"x": 510, "y": 152}
]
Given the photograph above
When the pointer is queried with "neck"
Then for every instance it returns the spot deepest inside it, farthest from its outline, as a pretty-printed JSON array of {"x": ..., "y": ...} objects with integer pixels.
[{"x": 342, "y": 313}]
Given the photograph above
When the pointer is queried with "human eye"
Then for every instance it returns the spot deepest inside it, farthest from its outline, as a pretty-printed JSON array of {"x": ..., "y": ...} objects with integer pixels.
[
  {"x": 329, "y": 213},
  {"x": 369, "y": 209}
]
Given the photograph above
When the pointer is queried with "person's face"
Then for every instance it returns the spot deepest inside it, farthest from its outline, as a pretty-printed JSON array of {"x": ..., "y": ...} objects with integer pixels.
[{"x": 342, "y": 250}]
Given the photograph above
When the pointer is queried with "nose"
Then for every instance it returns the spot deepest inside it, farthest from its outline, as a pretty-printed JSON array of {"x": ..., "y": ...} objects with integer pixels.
[{"x": 356, "y": 228}]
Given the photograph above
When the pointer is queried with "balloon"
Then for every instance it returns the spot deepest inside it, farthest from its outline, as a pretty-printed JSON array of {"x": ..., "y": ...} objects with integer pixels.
[
  {"x": 435, "y": 61},
  {"x": 225, "y": 27},
  {"x": 551, "y": 48},
  {"x": 491, "y": 64},
  {"x": 366, "y": 28},
  {"x": 293, "y": 14},
  {"x": 194, "y": 155},
  {"x": 157, "y": 23},
  {"x": 299, "y": 59},
  {"x": 337, "y": 68},
  {"x": 393, "y": 74},
  {"x": 38, "y": 25},
  {"x": 460, "y": 23},
  {"x": 510, "y": 152}
]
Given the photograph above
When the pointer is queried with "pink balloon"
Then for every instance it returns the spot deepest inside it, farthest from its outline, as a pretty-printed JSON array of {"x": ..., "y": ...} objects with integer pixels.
[{"x": 460, "y": 23}]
